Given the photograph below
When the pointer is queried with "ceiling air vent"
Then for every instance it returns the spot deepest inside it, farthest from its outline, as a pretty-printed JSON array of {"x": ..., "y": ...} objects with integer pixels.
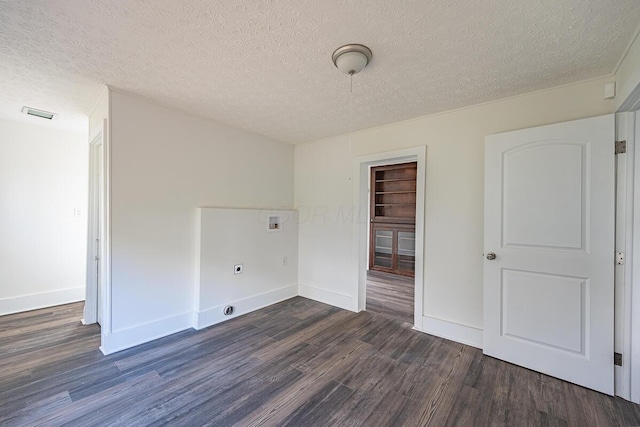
[{"x": 39, "y": 113}]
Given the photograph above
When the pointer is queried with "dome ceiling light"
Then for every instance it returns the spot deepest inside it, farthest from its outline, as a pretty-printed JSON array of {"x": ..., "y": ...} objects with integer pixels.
[{"x": 352, "y": 58}]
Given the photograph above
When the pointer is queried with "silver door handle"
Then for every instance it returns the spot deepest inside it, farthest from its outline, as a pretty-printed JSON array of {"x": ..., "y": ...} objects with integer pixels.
[{"x": 491, "y": 256}]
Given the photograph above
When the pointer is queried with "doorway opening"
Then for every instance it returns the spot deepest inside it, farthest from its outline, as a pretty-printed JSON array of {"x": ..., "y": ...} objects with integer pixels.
[
  {"x": 379, "y": 279},
  {"x": 392, "y": 218}
]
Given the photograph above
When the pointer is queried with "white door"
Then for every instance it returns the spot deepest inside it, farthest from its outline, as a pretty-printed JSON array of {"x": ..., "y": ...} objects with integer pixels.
[{"x": 549, "y": 220}]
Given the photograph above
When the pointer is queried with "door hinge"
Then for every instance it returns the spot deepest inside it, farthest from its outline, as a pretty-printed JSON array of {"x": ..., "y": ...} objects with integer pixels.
[
  {"x": 619, "y": 258},
  {"x": 621, "y": 147},
  {"x": 617, "y": 359}
]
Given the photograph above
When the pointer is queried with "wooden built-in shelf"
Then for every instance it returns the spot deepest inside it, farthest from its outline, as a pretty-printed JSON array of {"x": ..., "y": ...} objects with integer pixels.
[
  {"x": 395, "y": 192},
  {"x": 396, "y": 180},
  {"x": 393, "y": 214}
]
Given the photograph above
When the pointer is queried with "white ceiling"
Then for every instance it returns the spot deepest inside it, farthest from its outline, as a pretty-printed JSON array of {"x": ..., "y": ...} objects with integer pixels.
[{"x": 265, "y": 66}]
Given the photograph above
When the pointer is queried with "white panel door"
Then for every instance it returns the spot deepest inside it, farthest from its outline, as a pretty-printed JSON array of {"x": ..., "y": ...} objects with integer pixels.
[{"x": 549, "y": 220}]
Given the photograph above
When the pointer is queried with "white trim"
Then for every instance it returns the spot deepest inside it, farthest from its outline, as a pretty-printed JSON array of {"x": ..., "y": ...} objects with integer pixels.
[
  {"x": 40, "y": 300},
  {"x": 361, "y": 226},
  {"x": 146, "y": 332},
  {"x": 457, "y": 332},
  {"x": 213, "y": 315},
  {"x": 625, "y": 124},
  {"x": 96, "y": 146},
  {"x": 101, "y": 137},
  {"x": 105, "y": 260},
  {"x": 636, "y": 33},
  {"x": 140, "y": 334},
  {"x": 326, "y": 297},
  {"x": 628, "y": 127},
  {"x": 196, "y": 265},
  {"x": 632, "y": 307},
  {"x": 104, "y": 92}
]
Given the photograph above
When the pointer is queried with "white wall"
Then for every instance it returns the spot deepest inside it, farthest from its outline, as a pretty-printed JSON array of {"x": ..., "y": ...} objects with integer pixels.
[
  {"x": 164, "y": 164},
  {"x": 43, "y": 178},
  {"x": 628, "y": 72},
  {"x": 324, "y": 200},
  {"x": 454, "y": 193},
  {"x": 230, "y": 237}
]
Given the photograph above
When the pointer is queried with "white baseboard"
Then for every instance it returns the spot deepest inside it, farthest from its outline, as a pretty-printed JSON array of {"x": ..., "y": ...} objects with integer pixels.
[
  {"x": 327, "y": 297},
  {"x": 140, "y": 334},
  {"x": 452, "y": 331},
  {"x": 213, "y": 315},
  {"x": 41, "y": 300}
]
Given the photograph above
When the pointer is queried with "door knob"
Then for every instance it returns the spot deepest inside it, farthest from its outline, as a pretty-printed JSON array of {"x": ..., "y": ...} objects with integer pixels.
[{"x": 491, "y": 256}]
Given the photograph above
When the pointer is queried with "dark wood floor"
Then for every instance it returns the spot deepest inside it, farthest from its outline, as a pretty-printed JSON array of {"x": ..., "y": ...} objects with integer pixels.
[
  {"x": 391, "y": 295},
  {"x": 298, "y": 363}
]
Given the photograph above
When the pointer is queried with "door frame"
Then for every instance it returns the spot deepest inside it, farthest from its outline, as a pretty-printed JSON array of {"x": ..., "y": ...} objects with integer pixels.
[
  {"x": 627, "y": 384},
  {"x": 627, "y": 376},
  {"x": 361, "y": 185},
  {"x": 99, "y": 140},
  {"x": 96, "y": 198},
  {"x": 632, "y": 308}
]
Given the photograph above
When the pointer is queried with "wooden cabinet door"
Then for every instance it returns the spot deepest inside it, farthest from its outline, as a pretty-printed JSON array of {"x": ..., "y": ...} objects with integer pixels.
[{"x": 392, "y": 249}]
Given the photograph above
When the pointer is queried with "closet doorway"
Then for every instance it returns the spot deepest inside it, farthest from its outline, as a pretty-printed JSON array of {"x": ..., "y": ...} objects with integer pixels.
[{"x": 392, "y": 241}]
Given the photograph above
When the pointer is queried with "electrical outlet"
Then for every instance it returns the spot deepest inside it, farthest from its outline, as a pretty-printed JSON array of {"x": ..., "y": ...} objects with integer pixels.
[
  {"x": 285, "y": 260},
  {"x": 237, "y": 269}
]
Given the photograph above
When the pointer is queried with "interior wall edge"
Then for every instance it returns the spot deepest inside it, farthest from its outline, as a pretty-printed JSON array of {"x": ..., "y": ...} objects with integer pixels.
[
  {"x": 326, "y": 296},
  {"x": 143, "y": 333},
  {"x": 452, "y": 331}
]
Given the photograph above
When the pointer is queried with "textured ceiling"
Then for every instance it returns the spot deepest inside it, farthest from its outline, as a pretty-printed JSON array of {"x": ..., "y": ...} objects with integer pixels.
[{"x": 265, "y": 65}]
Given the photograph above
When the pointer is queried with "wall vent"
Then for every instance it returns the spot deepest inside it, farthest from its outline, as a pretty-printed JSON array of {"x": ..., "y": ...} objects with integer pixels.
[{"x": 39, "y": 113}]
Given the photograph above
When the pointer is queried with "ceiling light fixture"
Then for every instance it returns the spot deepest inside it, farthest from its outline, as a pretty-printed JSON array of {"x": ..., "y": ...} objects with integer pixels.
[
  {"x": 39, "y": 113},
  {"x": 351, "y": 58}
]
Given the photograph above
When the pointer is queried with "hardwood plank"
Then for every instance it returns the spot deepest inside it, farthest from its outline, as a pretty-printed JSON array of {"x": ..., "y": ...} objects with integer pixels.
[
  {"x": 30, "y": 393},
  {"x": 99, "y": 407},
  {"x": 548, "y": 397},
  {"x": 416, "y": 349},
  {"x": 465, "y": 409},
  {"x": 297, "y": 362},
  {"x": 447, "y": 384},
  {"x": 15, "y": 379},
  {"x": 482, "y": 375},
  {"x": 234, "y": 403},
  {"x": 42, "y": 408},
  {"x": 318, "y": 409},
  {"x": 390, "y": 295},
  {"x": 396, "y": 410},
  {"x": 548, "y": 420},
  {"x": 197, "y": 380},
  {"x": 319, "y": 370}
]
